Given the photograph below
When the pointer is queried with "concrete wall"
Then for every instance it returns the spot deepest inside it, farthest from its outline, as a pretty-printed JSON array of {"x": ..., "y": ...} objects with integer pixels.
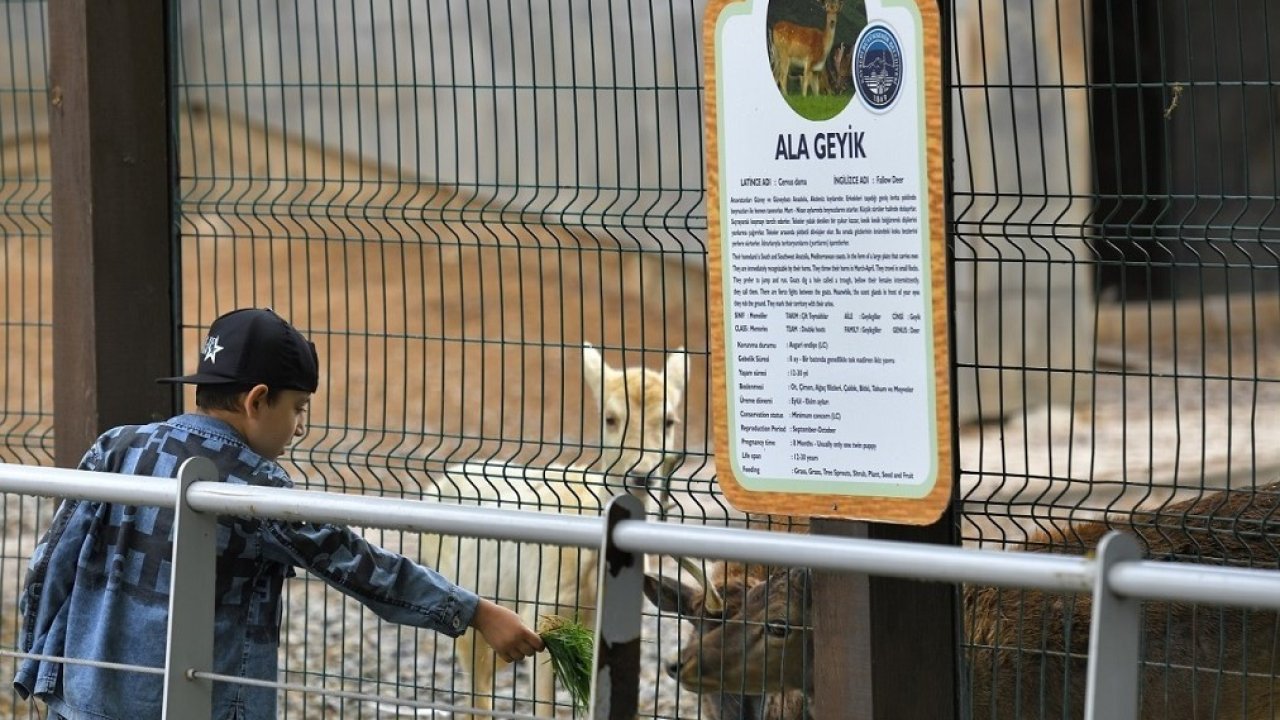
[
  {"x": 1220, "y": 145},
  {"x": 597, "y": 104},
  {"x": 24, "y": 69},
  {"x": 1020, "y": 133},
  {"x": 591, "y": 112}
]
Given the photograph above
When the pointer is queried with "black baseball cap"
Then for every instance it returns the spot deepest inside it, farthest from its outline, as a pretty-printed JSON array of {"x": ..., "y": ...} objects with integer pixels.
[{"x": 255, "y": 346}]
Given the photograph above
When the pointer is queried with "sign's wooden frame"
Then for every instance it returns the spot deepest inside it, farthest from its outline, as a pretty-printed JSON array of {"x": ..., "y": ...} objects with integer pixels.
[{"x": 913, "y": 511}]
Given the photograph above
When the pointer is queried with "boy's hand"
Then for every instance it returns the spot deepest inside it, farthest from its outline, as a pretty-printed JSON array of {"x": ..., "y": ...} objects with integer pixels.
[{"x": 505, "y": 632}]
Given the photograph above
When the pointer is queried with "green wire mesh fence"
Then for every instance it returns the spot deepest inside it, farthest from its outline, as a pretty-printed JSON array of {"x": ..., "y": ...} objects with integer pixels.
[
  {"x": 1116, "y": 318},
  {"x": 26, "y": 296},
  {"x": 26, "y": 300},
  {"x": 453, "y": 198}
]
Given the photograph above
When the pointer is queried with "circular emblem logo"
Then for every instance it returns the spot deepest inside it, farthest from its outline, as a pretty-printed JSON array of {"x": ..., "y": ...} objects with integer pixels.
[{"x": 877, "y": 67}]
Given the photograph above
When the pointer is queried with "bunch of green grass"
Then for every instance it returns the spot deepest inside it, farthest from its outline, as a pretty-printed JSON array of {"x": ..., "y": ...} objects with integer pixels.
[{"x": 572, "y": 648}]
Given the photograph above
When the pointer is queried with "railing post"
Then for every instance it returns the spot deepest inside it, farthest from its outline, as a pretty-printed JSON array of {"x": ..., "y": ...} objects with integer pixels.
[
  {"x": 1114, "y": 638},
  {"x": 191, "y": 600},
  {"x": 615, "y": 693}
]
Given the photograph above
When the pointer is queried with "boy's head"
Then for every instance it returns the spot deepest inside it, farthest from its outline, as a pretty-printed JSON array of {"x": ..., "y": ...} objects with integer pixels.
[
  {"x": 255, "y": 346},
  {"x": 258, "y": 370}
]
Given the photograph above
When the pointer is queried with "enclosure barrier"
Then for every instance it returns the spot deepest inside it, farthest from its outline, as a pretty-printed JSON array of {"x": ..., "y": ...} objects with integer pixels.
[{"x": 1118, "y": 579}]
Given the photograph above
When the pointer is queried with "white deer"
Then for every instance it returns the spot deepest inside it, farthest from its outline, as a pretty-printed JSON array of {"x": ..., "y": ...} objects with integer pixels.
[
  {"x": 640, "y": 411},
  {"x": 804, "y": 47}
]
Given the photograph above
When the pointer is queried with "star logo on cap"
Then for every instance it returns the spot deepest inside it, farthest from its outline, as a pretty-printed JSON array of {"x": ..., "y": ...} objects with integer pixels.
[{"x": 212, "y": 348}]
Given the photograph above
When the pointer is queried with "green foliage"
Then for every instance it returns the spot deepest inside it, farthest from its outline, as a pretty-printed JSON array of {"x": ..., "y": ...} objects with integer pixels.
[
  {"x": 571, "y": 646},
  {"x": 818, "y": 107}
]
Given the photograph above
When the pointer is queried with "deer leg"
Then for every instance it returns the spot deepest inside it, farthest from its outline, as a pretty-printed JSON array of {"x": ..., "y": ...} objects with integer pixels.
[
  {"x": 544, "y": 688},
  {"x": 478, "y": 660}
]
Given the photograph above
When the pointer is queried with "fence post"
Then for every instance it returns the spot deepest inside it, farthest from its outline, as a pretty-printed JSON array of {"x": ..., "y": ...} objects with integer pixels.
[
  {"x": 1114, "y": 638},
  {"x": 615, "y": 693},
  {"x": 109, "y": 142},
  {"x": 869, "y": 631},
  {"x": 191, "y": 600}
]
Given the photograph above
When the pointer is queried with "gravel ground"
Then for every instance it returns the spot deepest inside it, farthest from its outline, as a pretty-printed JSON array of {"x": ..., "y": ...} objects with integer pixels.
[
  {"x": 337, "y": 641},
  {"x": 1163, "y": 425}
]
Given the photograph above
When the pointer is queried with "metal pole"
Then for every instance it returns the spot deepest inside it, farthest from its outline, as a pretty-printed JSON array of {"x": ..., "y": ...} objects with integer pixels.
[
  {"x": 191, "y": 600},
  {"x": 1114, "y": 635},
  {"x": 615, "y": 693}
]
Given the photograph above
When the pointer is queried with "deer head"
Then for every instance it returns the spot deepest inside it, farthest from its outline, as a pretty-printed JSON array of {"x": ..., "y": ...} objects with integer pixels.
[
  {"x": 751, "y": 654},
  {"x": 640, "y": 413}
]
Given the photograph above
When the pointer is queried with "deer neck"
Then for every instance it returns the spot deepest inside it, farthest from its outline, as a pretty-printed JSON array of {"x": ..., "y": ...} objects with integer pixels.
[{"x": 828, "y": 39}]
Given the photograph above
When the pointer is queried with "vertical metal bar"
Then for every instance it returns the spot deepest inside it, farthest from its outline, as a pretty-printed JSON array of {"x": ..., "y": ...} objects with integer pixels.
[
  {"x": 109, "y": 131},
  {"x": 1114, "y": 638},
  {"x": 191, "y": 598},
  {"x": 615, "y": 693}
]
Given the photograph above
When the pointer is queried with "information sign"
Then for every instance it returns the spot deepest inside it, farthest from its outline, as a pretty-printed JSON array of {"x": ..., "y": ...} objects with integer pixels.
[{"x": 827, "y": 258}]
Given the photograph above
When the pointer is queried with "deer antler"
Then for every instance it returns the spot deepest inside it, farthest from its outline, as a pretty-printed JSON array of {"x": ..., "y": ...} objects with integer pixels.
[{"x": 712, "y": 602}]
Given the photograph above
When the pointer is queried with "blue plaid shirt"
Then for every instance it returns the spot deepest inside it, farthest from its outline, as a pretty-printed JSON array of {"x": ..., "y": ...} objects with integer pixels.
[{"x": 98, "y": 584}]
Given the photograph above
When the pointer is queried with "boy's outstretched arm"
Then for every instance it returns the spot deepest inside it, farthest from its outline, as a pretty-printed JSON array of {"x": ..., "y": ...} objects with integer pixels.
[{"x": 505, "y": 632}]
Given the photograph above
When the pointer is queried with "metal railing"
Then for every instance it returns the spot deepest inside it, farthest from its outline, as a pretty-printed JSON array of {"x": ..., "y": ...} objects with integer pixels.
[{"x": 1115, "y": 575}]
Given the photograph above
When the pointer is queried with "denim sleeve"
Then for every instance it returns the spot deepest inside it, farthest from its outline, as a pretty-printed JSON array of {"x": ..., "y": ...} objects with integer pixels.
[
  {"x": 43, "y": 604},
  {"x": 392, "y": 586},
  {"x": 51, "y": 569}
]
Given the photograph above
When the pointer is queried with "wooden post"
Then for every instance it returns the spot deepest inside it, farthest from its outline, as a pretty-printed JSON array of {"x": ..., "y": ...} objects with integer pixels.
[
  {"x": 843, "y": 680},
  {"x": 112, "y": 197},
  {"x": 887, "y": 648},
  {"x": 884, "y": 648}
]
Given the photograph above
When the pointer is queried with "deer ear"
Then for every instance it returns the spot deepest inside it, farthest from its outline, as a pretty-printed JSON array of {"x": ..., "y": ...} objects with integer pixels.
[
  {"x": 803, "y": 579},
  {"x": 677, "y": 369},
  {"x": 593, "y": 369},
  {"x": 661, "y": 592},
  {"x": 669, "y": 595}
]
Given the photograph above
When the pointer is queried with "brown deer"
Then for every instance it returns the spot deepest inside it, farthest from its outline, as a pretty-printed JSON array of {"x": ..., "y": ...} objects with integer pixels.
[
  {"x": 1028, "y": 649},
  {"x": 707, "y": 605},
  {"x": 840, "y": 69},
  {"x": 804, "y": 47}
]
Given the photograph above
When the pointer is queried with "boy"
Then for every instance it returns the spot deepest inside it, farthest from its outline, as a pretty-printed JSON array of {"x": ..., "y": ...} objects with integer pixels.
[{"x": 98, "y": 583}]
